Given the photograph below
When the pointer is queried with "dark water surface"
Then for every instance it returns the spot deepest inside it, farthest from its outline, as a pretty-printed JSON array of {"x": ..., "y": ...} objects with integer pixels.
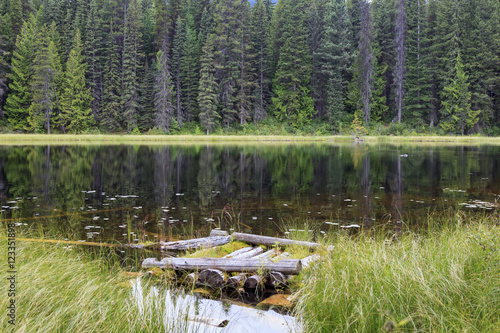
[{"x": 127, "y": 193}]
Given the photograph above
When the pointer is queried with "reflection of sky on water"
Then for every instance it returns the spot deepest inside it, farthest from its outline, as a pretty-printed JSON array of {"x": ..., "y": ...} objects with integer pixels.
[{"x": 240, "y": 319}]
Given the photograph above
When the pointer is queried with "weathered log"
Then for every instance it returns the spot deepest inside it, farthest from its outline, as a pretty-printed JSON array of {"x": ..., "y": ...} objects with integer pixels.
[
  {"x": 266, "y": 255},
  {"x": 211, "y": 277},
  {"x": 237, "y": 252},
  {"x": 195, "y": 243},
  {"x": 236, "y": 281},
  {"x": 252, "y": 253},
  {"x": 217, "y": 232},
  {"x": 269, "y": 241},
  {"x": 307, "y": 261},
  {"x": 254, "y": 283},
  {"x": 275, "y": 279},
  {"x": 285, "y": 266}
]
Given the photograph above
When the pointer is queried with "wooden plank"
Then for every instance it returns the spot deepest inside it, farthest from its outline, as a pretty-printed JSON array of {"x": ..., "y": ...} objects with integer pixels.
[
  {"x": 237, "y": 252},
  {"x": 269, "y": 241},
  {"x": 252, "y": 253},
  {"x": 195, "y": 243},
  {"x": 285, "y": 266}
]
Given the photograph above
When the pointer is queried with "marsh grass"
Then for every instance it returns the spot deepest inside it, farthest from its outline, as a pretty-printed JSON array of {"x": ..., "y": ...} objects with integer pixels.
[
  {"x": 441, "y": 280},
  {"x": 63, "y": 288}
]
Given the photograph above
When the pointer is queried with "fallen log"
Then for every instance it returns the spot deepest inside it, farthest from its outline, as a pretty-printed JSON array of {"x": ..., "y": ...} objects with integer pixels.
[
  {"x": 266, "y": 255},
  {"x": 195, "y": 243},
  {"x": 284, "y": 255},
  {"x": 269, "y": 241},
  {"x": 209, "y": 321},
  {"x": 275, "y": 279},
  {"x": 236, "y": 281},
  {"x": 211, "y": 277},
  {"x": 285, "y": 266},
  {"x": 254, "y": 283},
  {"x": 252, "y": 253},
  {"x": 191, "y": 279},
  {"x": 237, "y": 252}
]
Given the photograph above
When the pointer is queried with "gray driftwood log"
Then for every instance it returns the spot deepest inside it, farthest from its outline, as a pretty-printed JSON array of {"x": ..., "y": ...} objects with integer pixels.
[
  {"x": 269, "y": 241},
  {"x": 238, "y": 252},
  {"x": 195, "y": 243},
  {"x": 285, "y": 266},
  {"x": 250, "y": 254},
  {"x": 254, "y": 283},
  {"x": 217, "y": 232}
]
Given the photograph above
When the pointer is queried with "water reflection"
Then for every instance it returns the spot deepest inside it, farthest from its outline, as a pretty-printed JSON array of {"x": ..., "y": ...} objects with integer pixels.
[{"x": 157, "y": 188}]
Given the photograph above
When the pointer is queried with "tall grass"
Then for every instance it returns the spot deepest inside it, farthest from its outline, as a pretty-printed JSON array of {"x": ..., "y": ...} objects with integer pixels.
[
  {"x": 62, "y": 289},
  {"x": 442, "y": 281}
]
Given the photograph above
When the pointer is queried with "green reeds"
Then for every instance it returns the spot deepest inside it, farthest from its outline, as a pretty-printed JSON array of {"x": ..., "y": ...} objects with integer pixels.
[
  {"x": 61, "y": 288},
  {"x": 441, "y": 280}
]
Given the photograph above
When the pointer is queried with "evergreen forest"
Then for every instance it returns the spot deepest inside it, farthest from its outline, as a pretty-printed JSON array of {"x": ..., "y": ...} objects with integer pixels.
[{"x": 209, "y": 66}]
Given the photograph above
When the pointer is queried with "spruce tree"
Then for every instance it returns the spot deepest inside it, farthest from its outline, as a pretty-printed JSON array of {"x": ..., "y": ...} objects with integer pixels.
[
  {"x": 366, "y": 61},
  {"x": 132, "y": 58},
  {"x": 335, "y": 58},
  {"x": 458, "y": 117},
  {"x": 245, "y": 81},
  {"x": 4, "y": 69},
  {"x": 190, "y": 70},
  {"x": 293, "y": 102},
  {"x": 261, "y": 52},
  {"x": 20, "y": 96},
  {"x": 418, "y": 81},
  {"x": 46, "y": 68},
  {"x": 76, "y": 114},
  {"x": 317, "y": 24},
  {"x": 177, "y": 58},
  {"x": 400, "y": 63},
  {"x": 164, "y": 92},
  {"x": 16, "y": 17},
  {"x": 207, "y": 91}
]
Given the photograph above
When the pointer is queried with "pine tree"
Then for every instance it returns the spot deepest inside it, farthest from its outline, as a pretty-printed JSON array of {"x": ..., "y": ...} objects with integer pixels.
[
  {"x": 293, "y": 102},
  {"x": 164, "y": 93},
  {"x": 43, "y": 84},
  {"x": 456, "y": 104},
  {"x": 133, "y": 58},
  {"x": 76, "y": 114},
  {"x": 335, "y": 58},
  {"x": 16, "y": 17},
  {"x": 177, "y": 58},
  {"x": 207, "y": 91},
  {"x": 147, "y": 112},
  {"x": 20, "y": 96},
  {"x": 317, "y": 22}
]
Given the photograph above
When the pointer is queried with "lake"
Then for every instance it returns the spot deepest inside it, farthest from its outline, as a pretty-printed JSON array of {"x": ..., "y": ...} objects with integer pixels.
[{"x": 126, "y": 193}]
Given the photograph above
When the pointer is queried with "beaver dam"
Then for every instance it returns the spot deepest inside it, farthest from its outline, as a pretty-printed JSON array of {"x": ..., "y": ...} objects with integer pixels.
[{"x": 260, "y": 270}]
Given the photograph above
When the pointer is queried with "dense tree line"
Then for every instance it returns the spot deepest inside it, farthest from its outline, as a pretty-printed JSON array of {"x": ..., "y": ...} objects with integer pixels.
[{"x": 140, "y": 65}]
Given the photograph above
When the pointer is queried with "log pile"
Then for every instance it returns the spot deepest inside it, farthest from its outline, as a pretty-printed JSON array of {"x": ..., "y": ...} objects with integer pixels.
[{"x": 254, "y": 268}]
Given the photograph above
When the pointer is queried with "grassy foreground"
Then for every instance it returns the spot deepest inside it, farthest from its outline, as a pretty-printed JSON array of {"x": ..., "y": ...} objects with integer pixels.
[
  {"x": 44, "y": 139},
  {"x": 445, "y": 281},
  {"x": 61, "y": 289}
]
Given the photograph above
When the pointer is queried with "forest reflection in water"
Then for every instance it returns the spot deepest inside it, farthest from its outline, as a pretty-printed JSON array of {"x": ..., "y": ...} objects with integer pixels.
[{"x": 104, "y": 192}]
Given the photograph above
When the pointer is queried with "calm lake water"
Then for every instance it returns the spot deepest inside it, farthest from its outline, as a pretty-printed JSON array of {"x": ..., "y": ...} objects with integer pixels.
[{"x": 125, "y": 193}]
